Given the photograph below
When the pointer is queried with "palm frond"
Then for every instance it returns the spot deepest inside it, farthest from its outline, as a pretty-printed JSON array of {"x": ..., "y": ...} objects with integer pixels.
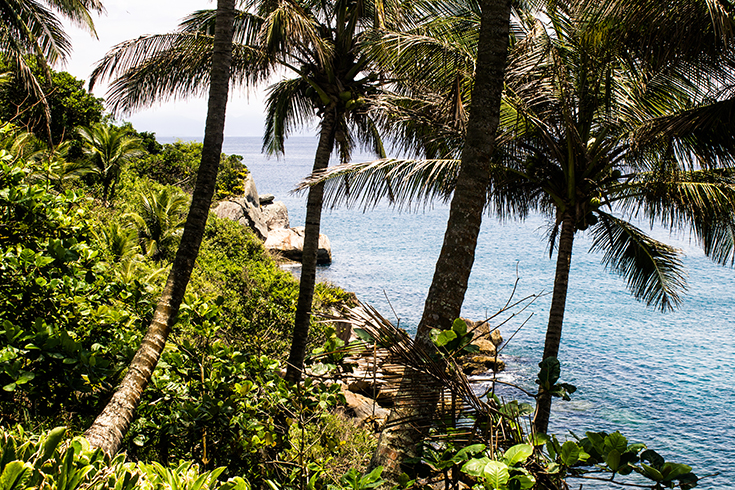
[
  {"x": 699, "y": 136},
  {"x": 400, "y": 182},
  {"x": 718, "y": 240},
  {"x": 653, "y": 270},
  {"x": 680, "y": 199},
  {"x": 287, "y": 107}
]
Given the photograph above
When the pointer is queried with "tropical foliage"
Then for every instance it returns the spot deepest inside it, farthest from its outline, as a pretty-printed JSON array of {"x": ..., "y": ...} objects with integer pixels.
[
  {"x": 33, "y": 30},
  {"x": 108, "y": 147}
]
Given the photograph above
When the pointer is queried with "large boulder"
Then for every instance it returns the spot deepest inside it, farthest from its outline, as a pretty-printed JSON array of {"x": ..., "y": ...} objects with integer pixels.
[
  {"x": 289, "y": 242},
  {"x": 245, "y": 209},
  {"x": 275, "y": 214}
]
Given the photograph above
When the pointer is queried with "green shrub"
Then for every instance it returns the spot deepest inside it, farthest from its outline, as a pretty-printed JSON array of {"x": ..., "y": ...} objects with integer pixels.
[{"x": 68, "y": 327}]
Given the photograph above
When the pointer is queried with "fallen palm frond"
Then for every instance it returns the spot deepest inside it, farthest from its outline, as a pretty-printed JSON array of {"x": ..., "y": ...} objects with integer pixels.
[{"x": 405, "y": 368}]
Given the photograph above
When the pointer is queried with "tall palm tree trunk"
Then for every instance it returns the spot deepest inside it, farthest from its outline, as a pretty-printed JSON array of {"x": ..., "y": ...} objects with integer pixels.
[
  {"x": 449, "y": 284},
  {"x": 311, "y": 247},
  {"x": 556, "y": 315},
  {"x": 110, "y": 427}
]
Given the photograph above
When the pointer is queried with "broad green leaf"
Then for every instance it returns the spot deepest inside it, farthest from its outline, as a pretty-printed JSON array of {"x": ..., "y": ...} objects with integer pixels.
[
  {"x": 525, "y": 480},
  {"x": 569, "y": 453},
  {"x": 496, "y": 474},
  {"x": 598, "y": 441},
  {"x": 613, "y": 460},
  {"x": 14, "y": 474},
  {"x": 656, "y": 460},
  {"x": 616, "y": 441},
  {"x": 651, "y": 472},
  {"x": 371, "y": 477},
  {"x": 475, "y": 466},
  {"x": 53, "y": 439},
  {"x": 468, "y": 451},
  {"x": 459, "y": 327},
  {"x": 539, "y": 439},
  {"x": 671, "y": 471},
  {"x": 25, "y": 376},
  {"x": 517, "y": 454},
  {"x": 549, "y": 373},
  {"x": 445, "y": 337}
]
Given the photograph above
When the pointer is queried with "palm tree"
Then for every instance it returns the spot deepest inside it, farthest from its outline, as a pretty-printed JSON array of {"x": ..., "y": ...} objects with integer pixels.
[
  {"x": 33, "y": 29},
  {"x": 109, "y": 147},
  {"x": 159, "y": 222},
  {"x": 449, "y": 284},
  {"x": 591, "y": 137},
  {"x": 110, "y": 426},
  {"x": 320, "y": 43}
]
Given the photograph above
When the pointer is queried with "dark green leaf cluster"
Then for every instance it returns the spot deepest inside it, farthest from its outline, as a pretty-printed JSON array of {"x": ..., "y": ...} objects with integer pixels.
[
  {"x": 612, "y": 453},
  {"x": 59, "y": 303},
  {"x": 71, "y": 105},
  {"x": 548, "y": 378},
  {"x": 53, "y": 462},
  {"x": 177, "y": 163}
]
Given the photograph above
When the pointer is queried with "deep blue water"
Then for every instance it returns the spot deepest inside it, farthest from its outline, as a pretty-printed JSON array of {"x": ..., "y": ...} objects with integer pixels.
[{"x": 663, "y": 379}]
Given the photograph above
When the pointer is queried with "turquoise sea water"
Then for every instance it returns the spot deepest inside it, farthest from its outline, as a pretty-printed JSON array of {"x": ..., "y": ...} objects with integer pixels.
[{"x": 664, "y": 379}]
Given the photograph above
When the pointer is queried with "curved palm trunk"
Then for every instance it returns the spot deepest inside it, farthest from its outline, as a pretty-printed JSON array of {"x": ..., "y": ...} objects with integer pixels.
[
  {"x": 419, "y": 394},
  {"x": 556, "y": 315},
  {"x": 311, "y": 246},
  {"x": 108, "y": 430}
]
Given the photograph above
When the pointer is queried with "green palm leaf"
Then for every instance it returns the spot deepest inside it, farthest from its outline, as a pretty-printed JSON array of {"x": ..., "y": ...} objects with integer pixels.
[
  {"x": 400, "y": 182},
  {"x": 653, "y": 269}
]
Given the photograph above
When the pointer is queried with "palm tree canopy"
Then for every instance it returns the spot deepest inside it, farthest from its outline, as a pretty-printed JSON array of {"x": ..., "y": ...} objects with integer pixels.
[
  {"x": 590, "y": 131},
  {"x": 32, "y": 28},
  {"x": 319, "y": 45}
]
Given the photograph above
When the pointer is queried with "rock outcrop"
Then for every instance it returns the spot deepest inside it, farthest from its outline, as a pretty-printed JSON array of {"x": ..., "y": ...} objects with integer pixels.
[
  {"x": 268, "y": 218},
  {"x": 245, "y": 209},
  {"x": 289, "y": 242},
  {"x": 275, "y": 215},
  {"x": 487, "y": 358}
]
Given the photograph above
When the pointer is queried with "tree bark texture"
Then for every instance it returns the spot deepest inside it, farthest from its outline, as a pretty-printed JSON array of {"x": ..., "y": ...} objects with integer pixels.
[
  {"x": 556, "y": 315},
  {"x": 110, "y": 427},
  {"x": 419, "y": 393},
  {"x": 311, "y": 247}
]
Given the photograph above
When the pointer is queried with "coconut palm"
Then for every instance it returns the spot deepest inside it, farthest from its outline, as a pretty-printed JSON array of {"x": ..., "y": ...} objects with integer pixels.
[
  {"x": 159, "y": 222},
  {"x": 32, "y": 29},
  {"x": 109, "y": 147},
  {"x": 591, "y": 137},
  {"x": 320, "y": 45},
  {"x": 109, "y": 428}
]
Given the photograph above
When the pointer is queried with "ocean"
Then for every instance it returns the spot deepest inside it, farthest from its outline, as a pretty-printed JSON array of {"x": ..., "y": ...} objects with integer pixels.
[{"x": 664, "y": 379}]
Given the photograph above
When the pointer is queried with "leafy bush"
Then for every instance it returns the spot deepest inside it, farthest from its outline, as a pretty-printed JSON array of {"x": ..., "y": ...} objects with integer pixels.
[
  {"x": 51, "y": 462},
  {"x": 177, "y": 164},
  {"x": 68, "y": 328}
]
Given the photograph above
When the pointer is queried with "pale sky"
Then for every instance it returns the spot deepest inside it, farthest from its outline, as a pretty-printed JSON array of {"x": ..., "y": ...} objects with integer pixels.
[{"x": 127, "y": 19}]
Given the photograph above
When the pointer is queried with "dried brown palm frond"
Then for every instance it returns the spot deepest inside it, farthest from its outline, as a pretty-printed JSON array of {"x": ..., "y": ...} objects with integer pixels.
[{"x": 408, "y": 368}]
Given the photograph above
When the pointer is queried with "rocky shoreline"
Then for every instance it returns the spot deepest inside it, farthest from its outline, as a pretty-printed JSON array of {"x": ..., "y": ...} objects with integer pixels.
[{"x": 268, "y": 219}]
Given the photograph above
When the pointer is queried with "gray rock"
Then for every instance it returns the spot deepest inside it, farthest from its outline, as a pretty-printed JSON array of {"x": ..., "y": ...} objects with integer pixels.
[
  {"x": 245, "y": 210},
  {"x": 266, "y": 199},
  {"x": 275, "y": 215},
  {"x": 482, "y": 330},
  {"x": 289, "y": 242},
  {"x": 481, "y": 364}
]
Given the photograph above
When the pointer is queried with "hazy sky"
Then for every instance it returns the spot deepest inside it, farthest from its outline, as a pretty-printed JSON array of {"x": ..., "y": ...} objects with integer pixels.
[{"x": 127, "y": 19}]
